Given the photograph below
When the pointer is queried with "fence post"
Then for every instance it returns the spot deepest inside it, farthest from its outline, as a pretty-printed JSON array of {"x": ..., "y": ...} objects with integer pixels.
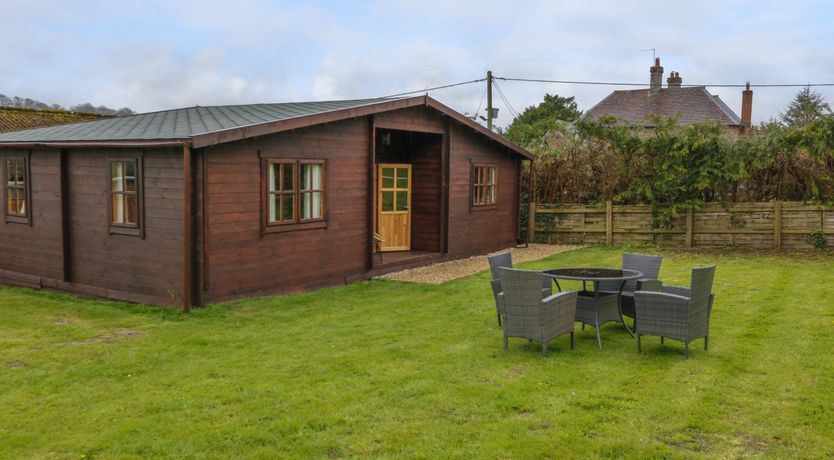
[
  {"x": 690, "y": 225},
  {"x": 609, "y": 223},
  {"x": 777, "y": 224},
  {"x": 531, "y": 222}
]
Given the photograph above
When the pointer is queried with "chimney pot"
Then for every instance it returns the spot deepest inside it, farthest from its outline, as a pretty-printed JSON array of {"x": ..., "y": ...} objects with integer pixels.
[{"x": 674, "y": 80}]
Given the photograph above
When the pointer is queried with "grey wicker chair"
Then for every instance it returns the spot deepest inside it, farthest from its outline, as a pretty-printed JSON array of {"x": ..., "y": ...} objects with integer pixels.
[
  {"x": 505, "y": 260},
  {"x": 649, "y": 266},
  {"x": 528, "y": 316},
  {"x": 678, "y": 313}
]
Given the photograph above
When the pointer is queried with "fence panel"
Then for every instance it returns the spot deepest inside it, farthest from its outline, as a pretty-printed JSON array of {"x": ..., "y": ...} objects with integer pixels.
[{"x": 775, "y": 224}]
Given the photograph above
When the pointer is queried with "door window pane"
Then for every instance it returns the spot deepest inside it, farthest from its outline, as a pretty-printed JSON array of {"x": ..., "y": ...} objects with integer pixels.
[
  {"x": 402, "y": 201},
  {"x": 387, "y": 177},
  {"x": 387, "y": 201},
  {"x": 402, "y": 178}
]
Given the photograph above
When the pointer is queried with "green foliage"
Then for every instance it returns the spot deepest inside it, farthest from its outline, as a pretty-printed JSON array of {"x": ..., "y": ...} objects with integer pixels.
[
  {"x": 818, "y": 239},
  {"x": 385, "y": 369},
  {"x": 531, "y": 125},
  {"x": 683, "y": 167},
  {"x": 807, "y": 106},
  {"x": 678, "y": 167}
]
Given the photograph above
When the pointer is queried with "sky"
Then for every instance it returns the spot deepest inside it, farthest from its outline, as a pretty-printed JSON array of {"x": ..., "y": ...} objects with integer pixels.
[{"x": 156, "y": 55}]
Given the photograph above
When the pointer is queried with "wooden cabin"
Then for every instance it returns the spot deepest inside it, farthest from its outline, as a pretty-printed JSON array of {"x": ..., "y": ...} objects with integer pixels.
[{"x": 206, "y": 204}]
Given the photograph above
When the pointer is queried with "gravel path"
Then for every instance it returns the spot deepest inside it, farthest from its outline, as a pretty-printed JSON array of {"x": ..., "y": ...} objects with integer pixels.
[{"x": 446, "y": 271}]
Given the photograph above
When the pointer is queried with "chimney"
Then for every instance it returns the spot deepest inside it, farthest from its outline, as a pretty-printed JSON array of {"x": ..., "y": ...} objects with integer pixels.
[
  {"x": 746, "y": 108},
  {"x": 656, "y": 78},
  {"x": 674, "y": 80}
]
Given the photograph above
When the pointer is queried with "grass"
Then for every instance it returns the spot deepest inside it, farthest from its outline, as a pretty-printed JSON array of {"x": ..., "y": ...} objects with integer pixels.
[{"x": 392, "y": 369}]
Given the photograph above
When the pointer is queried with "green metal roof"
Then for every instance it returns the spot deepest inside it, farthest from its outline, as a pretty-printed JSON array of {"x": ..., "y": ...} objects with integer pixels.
[{"x": 180, "y": 123}]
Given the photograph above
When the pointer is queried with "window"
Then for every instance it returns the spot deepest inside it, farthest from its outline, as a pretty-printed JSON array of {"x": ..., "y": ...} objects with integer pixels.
[
  {"x": 17, "y": 191},
  {"x": 484, "y": 183},
  {"x": 125, "y": 204},
  {"x": 295, "y": 192},
  {"x": 312, "y": 191}
]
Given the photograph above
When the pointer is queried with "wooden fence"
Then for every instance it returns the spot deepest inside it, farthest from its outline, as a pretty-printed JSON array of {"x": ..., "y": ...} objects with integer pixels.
[{"x": 775, "y": 224}]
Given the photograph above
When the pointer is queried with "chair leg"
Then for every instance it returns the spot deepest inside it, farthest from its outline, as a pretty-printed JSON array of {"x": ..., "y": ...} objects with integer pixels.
[
  {"x": 506, "y": 343},
  {"x": 706, "y": 343},
  {"x": 639, "y": 349},
  {"x": 571, "y": 340},
  {"x": 544, "y": 348},
  {"x": 499, "y": 319},
  {"x": 661, "y": 340},
  {"x": 686, "y": 350}
]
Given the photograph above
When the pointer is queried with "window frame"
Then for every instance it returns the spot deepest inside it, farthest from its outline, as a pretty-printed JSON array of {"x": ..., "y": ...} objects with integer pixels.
[
  {"x": 15, "y": 218},
  {"x": 115, "y": 228},
  {"x": 473, "y": 185},
  {"x": 297, "y": 223}
]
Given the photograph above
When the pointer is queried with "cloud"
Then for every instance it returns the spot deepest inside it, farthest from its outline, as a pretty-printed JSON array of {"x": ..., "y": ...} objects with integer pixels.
[
  {"x": 150, "y": 79},
  {"x": 153, "y": 55}
]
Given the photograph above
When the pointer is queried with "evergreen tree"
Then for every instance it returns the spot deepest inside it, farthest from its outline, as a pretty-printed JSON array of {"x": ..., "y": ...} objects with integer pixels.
[{"x": 807, "y": 106}]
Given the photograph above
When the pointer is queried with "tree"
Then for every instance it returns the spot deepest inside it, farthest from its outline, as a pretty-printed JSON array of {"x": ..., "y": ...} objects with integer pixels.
[
  {"x": 807, "y": 106},
  {"x": 530, "y": 127}
]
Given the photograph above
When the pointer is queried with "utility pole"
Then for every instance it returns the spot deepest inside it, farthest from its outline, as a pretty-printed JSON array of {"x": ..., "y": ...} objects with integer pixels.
[{"x": 489, "y": 100}]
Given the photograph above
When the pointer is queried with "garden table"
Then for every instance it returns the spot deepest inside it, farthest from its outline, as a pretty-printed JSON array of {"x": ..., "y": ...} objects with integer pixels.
[{"x": 594, "y": 307}]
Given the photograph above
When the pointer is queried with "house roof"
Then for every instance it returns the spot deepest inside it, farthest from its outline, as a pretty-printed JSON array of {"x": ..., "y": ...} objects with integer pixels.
[
  {"x": 14, "y": 119},
  {"x": 694, "y": 104},
  {"x": 203, "y": 126}
]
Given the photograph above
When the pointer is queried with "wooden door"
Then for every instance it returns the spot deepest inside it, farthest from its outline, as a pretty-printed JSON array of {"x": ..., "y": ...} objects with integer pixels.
[{"x": 394, "y": 206}]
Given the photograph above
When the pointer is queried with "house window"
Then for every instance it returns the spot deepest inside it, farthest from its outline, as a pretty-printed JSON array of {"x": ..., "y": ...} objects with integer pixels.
[
  {"x": 17, "y": 190},
  {"x": 125, "y": 205},
  {"x": 484, "y": 183},
  {"x": 295, "y": 191}
]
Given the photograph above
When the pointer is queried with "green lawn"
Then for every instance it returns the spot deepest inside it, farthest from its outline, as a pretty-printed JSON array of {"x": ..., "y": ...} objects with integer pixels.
[{"x": 391, "y": 369}]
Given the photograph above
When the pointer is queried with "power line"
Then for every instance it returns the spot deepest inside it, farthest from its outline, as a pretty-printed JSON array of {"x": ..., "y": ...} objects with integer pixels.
[
  {"x": 478, "y": 110},
  {"x": 609, "y": 83},
  {"x": 506, "y": 102},
  {"x": 437, "y": 87}
]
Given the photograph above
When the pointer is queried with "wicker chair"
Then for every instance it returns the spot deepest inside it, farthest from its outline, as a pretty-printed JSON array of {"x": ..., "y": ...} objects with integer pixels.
[
  {"x": 505, "y": 260},
  {"x": 649, "y": 266},
  {"x": 678, "y": 313},
  {"x": 528, "y": 316}
]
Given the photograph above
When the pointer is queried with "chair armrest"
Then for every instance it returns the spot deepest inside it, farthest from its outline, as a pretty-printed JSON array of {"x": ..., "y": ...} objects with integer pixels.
[
  {"x": 651, "y": 295},
  {"x": 677, "y": 290},
  {"x": 560, "y": 304},
  {"x": 649, "y": 285},
  {"x": 564, "y": 296}
]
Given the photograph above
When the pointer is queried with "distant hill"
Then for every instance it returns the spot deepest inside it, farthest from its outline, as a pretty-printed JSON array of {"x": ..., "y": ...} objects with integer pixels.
[{"x": 26, "y": 103}]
